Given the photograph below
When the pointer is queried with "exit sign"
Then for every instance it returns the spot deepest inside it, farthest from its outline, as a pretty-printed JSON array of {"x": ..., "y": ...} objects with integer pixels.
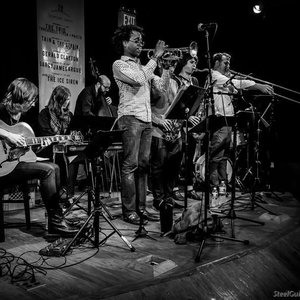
[{"x": 126, "y": 17}]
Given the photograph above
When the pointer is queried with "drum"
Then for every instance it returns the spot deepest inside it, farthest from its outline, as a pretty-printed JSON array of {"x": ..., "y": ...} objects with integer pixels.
[{"x": 200, "y": 169}]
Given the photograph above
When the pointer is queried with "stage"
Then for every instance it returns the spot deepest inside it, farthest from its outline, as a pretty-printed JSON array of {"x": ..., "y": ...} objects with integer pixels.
[{"x": 159, "y": 268}]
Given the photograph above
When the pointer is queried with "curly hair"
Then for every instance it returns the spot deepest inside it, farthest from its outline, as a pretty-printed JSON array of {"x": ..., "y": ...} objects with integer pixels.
[
  {"x": 123, "y": 33},
  {"x": 183, "y": 61}
]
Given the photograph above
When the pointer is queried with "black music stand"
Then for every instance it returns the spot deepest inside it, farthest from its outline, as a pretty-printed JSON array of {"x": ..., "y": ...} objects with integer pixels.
[
  {"x": 89, "y": 126},
  {"x": 101, "y": 141},
  {"x": 257, "y": 162},
  {"x": 185, "y": 105}
]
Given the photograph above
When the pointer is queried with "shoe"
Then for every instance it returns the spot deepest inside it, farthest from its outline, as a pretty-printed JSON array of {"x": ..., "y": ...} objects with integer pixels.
[
  {"x": 58, "y": 225},
  {"x": 154, "y": 209},
  {"x": 177, "y": 196},
  {"x": 157, "y": 204},
  {"x": 193, "y": 195},
  {"x": 150, "y": 217},
  {"x": 133, "y": 218}
]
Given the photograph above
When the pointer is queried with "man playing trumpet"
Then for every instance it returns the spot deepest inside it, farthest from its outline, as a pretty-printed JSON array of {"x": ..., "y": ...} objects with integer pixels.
[{"x": 134, "y": 81}]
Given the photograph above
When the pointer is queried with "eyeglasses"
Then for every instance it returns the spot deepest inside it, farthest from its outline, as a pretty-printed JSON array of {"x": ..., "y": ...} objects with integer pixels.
[
  {"x": 107, "y": 88},
  {"x": 142, "y": 43}
]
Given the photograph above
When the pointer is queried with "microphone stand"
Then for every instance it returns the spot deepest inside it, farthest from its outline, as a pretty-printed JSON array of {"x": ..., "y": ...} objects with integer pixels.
[
  {"x": 186, "y": 157},
  {"x": 210, "y": 95}
]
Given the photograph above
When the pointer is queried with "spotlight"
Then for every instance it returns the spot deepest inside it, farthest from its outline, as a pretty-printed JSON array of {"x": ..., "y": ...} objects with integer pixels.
[{"x": 257, "y": 8}]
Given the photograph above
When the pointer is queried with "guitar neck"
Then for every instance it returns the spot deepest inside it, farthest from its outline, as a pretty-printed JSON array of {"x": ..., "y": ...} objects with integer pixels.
[{"x": 31, "y": 141}]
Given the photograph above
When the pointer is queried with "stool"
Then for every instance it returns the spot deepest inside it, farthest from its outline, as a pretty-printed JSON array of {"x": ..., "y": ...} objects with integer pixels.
[{"x": 24, "y": 187}]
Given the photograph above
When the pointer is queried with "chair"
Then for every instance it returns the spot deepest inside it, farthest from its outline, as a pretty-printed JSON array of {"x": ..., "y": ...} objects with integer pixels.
[{"x": 24, "y": 188}]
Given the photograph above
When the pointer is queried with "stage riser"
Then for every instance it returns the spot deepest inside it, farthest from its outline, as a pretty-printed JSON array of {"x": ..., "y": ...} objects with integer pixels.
[{"x": 259, "y": 274}]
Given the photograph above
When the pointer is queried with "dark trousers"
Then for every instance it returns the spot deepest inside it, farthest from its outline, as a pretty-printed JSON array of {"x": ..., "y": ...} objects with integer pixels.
[
  {"x": 48, "y": 174},
  {"x": 165, "y": 166},
  {"x": 219, "y": 153}
]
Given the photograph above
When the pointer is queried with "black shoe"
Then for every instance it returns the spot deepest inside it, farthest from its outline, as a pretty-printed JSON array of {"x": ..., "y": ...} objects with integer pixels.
[
  {"x": 133, "y": 218},
  {"x": 177, "y": 196},
  {"x": 150, "y": 217},
  {"x": 193, "y": 195},
  {"x": 58, "y": 225}
]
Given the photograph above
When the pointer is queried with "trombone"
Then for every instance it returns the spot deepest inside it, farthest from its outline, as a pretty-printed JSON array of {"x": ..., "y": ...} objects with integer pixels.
[
  {"x": 269, "y": 83},
  {"x": 174, "y": 54}
]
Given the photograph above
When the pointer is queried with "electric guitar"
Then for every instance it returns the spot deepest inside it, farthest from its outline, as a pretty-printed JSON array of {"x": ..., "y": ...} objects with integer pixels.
[{"x": 10, "y": 155}]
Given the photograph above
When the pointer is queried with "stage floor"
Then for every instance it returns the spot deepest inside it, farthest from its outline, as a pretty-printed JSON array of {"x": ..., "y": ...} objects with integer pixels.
[{"x": 159, "y": 268}]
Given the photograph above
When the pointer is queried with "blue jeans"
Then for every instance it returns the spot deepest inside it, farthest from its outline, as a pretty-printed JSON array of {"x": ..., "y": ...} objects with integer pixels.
[
  {"x": 135, "y": 166},
  {"x": 219, "y": 152},
  {"x": 48, "y": 174}
]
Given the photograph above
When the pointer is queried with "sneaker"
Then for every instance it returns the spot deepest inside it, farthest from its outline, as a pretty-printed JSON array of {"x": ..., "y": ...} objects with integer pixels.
[
  {"x": 177, "y": 196},
  {"x": 133, "y": 218}
]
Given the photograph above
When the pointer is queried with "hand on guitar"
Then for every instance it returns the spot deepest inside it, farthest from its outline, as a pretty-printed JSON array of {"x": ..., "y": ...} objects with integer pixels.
[{"x": 15, "y": 139}]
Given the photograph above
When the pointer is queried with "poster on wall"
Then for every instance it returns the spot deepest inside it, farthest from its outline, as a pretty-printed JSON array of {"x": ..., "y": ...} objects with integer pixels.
[{"x": 61, "y": 53}]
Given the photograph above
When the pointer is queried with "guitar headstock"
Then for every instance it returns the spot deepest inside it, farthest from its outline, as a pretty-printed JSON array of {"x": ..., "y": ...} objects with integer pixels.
[{"x": 76, "y": 137}]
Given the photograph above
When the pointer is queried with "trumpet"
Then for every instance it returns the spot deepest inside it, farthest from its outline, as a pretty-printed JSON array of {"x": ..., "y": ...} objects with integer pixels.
[{"x": 174, "y": 54}]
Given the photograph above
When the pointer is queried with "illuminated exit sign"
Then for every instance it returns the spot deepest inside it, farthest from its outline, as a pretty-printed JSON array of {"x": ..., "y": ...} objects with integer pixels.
[{"x": 126, "y": 17}]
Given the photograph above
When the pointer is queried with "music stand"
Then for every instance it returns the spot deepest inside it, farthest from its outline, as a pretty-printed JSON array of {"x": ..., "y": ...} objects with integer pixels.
[
  {"x": 89, "y": 125},
  {"x": 101, "y": 141},
  {"x": 257, "y": 162},
  {"x": 185, "y": 105}
]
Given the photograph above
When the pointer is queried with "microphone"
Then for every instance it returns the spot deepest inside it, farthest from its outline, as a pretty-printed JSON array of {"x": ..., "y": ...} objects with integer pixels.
[
  {"x": 225, "y": 85},
  {"x": 202, "y": 27}
]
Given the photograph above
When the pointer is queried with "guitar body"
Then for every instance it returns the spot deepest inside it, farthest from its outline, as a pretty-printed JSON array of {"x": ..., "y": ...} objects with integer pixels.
[{"x": 10, "y": 157}]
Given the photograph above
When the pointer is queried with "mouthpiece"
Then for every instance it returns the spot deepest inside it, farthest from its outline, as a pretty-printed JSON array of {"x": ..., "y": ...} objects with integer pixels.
[{"x": 200, "y": 70}]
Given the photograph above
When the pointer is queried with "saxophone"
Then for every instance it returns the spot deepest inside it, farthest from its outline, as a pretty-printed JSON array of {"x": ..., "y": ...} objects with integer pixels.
[{"x": 172, "y": 135}]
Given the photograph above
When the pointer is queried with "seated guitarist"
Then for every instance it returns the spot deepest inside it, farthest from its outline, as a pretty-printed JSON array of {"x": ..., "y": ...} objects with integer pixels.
[
  {"x": 54, "y": 119},
  {"x": 19, "y": 98}
]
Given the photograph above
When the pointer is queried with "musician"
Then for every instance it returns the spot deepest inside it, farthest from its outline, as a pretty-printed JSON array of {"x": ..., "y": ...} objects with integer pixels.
[
  {"x": 93, "y": 99},
  {"x": 184, "y": 78},
  {"x": 54, "y": 119},
  {"x": 224, "y": 86},
  {"x": 134, "y": 81},
  {"x": 166, "y": 147},
  {"x": 19, "y": 98}
]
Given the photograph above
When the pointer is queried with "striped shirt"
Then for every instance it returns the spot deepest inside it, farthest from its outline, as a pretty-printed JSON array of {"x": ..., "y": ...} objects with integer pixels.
[{"x": 134, "y": 83}]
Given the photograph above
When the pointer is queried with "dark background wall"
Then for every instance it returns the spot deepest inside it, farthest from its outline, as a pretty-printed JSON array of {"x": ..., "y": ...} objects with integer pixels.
[{"x": 266, "y": 46}]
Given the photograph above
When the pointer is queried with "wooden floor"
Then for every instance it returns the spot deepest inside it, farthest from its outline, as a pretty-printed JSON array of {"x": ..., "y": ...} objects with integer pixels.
[{"x": 159, "y": 268}]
